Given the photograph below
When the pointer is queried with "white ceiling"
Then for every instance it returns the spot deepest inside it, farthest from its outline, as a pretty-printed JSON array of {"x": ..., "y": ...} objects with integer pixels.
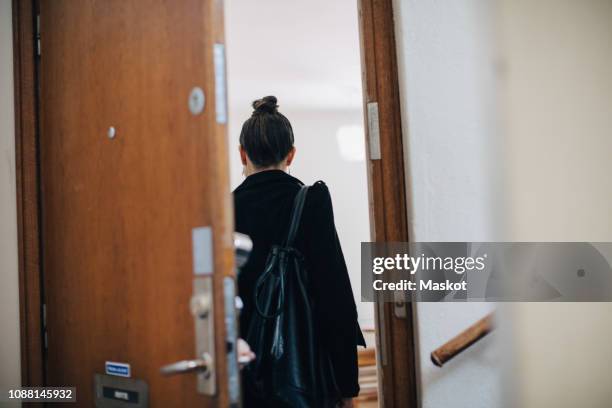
[{"x": 304, "y": 52}]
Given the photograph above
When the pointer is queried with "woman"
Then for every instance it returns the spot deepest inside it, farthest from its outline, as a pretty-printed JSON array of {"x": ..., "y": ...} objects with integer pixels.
[{"x": 263, "y": 203}]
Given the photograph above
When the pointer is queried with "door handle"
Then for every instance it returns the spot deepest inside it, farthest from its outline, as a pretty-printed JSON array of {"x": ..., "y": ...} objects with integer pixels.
[
  {"x": 202, "y": 306},
  {"x": 202, "y": 309},
  {"x": 200, "y": 365}
]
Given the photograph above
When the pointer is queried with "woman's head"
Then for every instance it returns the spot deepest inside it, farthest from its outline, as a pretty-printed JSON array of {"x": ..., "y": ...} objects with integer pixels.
[{"x": 266, "y": 138}]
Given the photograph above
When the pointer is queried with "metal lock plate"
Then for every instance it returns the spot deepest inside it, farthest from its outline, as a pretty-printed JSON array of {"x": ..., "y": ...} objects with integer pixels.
[
  {"x": 373, "y": 131},
  {"x": 231, "y": 327},
  {"x": 202, "y": 308}
]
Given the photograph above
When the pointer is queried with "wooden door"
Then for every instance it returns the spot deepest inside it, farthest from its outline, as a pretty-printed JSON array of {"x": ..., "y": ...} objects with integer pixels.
[{"x": 127, "y": 173}]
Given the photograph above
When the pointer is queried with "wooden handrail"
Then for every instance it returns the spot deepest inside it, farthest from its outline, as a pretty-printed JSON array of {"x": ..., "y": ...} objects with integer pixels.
[{"x": 462, "y": 341}]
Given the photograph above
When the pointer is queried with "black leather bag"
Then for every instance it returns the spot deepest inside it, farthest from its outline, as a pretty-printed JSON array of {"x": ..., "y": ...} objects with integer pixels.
[{"x": 291, "y": 368}]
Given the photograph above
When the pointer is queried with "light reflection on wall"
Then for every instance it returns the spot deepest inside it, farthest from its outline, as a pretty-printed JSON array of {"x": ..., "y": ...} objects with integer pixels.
[{"x": 351, "y": 143}]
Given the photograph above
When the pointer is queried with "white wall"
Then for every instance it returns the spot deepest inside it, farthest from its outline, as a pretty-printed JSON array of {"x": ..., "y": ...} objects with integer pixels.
[
  {"x": 10, "y": 374},
  {"x": 446, "y": 74},
  {"x": 316, "y": 75},
  {"x": 557, "y": 94},
  {"x": 507, "y": 113},
  {"x": 557, "y": 111}
]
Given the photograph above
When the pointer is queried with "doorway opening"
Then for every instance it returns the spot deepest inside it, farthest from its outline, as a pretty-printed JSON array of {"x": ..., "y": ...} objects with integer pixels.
[{"x": 307, "y": 54}]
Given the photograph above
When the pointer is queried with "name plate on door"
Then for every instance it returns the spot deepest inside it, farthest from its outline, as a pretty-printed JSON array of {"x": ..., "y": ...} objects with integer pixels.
[
  {"x": 118, "y": 369},
  {"x": 118, "y": 392}
]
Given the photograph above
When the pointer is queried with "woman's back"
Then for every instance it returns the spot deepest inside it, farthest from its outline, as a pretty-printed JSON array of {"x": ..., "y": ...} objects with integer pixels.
[{"x": 262, "y": 204}]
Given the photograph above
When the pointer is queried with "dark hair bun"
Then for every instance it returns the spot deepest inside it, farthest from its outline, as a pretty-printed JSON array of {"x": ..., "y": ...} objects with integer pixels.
[
  {"x": 267, "y": 104},
  {"x": 267, "y": 136}
]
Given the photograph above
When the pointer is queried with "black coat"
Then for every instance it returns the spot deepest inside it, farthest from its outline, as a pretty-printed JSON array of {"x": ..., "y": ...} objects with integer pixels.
[{"x": 263, "y": 204}]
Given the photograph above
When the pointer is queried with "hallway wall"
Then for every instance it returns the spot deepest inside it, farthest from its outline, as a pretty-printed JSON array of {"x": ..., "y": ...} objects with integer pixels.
[
  {"x": 556, "y": 93},
  {"x": 507, "y": 111},
  {"x": 10, "y": 371}
]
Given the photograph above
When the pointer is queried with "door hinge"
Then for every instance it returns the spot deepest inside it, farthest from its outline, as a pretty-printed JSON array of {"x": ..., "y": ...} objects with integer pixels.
[
  {"x": 373, "y": 131},
  {"x": 44, "y": 325},
  {"x": 37, "y": 35}
]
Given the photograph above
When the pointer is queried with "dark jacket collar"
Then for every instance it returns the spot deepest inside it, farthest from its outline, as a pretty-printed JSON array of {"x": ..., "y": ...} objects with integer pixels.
[{"x": 267, "y": 176}]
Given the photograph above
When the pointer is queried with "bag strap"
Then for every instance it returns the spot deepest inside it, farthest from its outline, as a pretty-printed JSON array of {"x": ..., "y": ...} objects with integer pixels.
[{"x": 296, "y": 215}]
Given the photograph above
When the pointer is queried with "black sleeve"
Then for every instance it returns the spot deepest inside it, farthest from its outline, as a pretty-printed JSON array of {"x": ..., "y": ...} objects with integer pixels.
[{"x": 336, "y": 312}]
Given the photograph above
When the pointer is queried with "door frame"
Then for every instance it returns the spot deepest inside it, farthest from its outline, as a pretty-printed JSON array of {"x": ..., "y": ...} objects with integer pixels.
[
  {"x": 28, "y": 192},
  {"x": 395, "y": 323},
  {"x": 396, "y": 351}
]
